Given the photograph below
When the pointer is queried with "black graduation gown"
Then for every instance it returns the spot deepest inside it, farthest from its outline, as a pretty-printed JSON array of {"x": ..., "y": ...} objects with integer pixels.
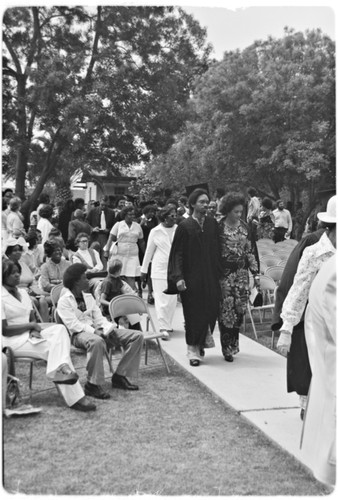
[{"x": 194, "y": 257}]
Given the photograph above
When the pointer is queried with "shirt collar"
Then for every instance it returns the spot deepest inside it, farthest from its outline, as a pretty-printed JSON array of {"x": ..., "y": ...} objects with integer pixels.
[{"x": 324, "y": 245}]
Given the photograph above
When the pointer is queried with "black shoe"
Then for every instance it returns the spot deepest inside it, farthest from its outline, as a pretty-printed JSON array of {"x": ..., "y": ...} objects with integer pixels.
[
  {"x": 83, "y": 405},
  {"x": 95, "y": 391},
  {"x": 121, "y": 382},
  {"x": 202, "y": 352},
  {"x": 302, "y": 413},
  {"x": 65, "y": 375},
  {"x": 150, "y": 299},
  {"x": 194, "y": 362},
  {"x": 228, "y": 357}
]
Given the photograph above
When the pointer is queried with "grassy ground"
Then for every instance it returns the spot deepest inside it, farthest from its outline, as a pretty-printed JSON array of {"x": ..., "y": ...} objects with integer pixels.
[{"x": 173, "y": 437}]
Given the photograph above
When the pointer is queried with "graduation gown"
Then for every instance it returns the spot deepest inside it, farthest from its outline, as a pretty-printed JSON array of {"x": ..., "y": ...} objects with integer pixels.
[{"x": 194, "y": 257}]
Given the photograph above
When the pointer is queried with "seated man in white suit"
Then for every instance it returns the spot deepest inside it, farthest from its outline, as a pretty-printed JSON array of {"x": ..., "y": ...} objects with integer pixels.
[{"x": 91, "y": 331}]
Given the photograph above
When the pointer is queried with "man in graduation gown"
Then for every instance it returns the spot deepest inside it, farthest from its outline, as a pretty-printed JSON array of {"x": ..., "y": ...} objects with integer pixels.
[{"x": 193, "y": 271}]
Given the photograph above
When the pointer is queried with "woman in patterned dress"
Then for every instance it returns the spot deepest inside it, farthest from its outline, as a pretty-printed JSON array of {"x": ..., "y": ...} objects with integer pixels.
[
  {"x": 237, "y": 258},
  {"x": 266, "y": 221}
]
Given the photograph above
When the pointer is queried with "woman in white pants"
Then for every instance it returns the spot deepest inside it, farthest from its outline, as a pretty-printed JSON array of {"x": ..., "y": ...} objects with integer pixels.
[
  {"x": 28, "y": 338},
  {"x": 157, "y": 252}
]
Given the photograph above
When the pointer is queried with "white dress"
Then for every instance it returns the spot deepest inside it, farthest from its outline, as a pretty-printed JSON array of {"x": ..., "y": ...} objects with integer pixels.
[{"x": 127, "y": 247}]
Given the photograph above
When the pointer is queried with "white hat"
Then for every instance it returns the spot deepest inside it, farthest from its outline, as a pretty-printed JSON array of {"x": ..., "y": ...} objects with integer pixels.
[
  {"x": 330, "y": 216},
  {"x": 13, "y": 242}
]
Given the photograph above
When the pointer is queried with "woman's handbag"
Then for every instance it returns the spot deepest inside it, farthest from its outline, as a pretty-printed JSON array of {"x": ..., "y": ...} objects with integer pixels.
[{"x": 113, "y": 250}]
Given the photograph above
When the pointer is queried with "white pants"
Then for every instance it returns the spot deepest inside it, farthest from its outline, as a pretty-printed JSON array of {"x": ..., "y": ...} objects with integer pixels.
[
  {"x": 165, "y": 305},
  {"x": 56, "y": 351}
]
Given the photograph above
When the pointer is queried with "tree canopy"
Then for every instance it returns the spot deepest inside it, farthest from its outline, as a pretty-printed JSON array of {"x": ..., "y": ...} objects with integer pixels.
[
  {"x": 104, "y": 87},
  {"x": 263, "y": 117}
]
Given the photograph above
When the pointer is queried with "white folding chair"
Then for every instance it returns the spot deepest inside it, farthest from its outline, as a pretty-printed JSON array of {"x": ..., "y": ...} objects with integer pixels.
[
  {"x": 265, "y": 251},
  {"x": 275, "y": 272},
  {"x": 263, "y": 267},
  {"x": 291, "y": 242},
  {"x": 265, "y": 242},
  {"x": 54, "y": 296},
  {"x": 268, "y": 287},
  {"x": 126, "y": 304},
  {"x": 270, "y": 260},
  {"x": 282, "y": 255}
]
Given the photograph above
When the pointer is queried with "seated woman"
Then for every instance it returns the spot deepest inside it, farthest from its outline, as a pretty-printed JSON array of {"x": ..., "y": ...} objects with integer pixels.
[
  {"x": 55, "y": 234},
  {"x": 53, "y": 269},
  {"x": 28, "y": 338},
  {"x": 34, "y": 255},
  {"x": 111, "y": 287},
  {"x": 14, "y": 253},
  {"x": 90, "y": 258}
]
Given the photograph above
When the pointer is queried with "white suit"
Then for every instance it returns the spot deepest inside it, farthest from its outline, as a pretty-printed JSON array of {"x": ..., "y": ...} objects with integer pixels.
[
  {"x": 319, "y": 431},
  {"x": 56, "y": 349},
  {"x": 157, "y": 252}
]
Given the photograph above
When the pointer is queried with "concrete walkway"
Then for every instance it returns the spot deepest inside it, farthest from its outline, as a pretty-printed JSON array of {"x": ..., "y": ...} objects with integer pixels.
[{"x": 254, "y": 384}]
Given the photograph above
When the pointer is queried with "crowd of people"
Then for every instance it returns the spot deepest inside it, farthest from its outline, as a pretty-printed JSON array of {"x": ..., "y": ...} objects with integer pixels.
[{"x": 200, "y": 250}]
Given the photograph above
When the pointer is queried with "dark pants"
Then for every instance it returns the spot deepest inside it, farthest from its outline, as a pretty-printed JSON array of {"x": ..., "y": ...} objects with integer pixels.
[
  {"x": 279, "y": 234},
  {"x": 298, "y": 365}
]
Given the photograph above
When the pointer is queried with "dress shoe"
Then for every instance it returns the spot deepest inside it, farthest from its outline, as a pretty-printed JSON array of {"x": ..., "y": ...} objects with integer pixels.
[
  {"x": 150, "y": 299},
  {"x": 95, "y": 391},
  {"x": 228, "y": 357},
  {"x": 65, "y": 375},
  {"x": 165, "y": 335},
  {"x": 121, "y": 382},
  {"x": 83, "y": 405},
  {"x": 202, "y": 352},
  {"x": 194, "y": 362},
  {"x": 302, "y": 413}
]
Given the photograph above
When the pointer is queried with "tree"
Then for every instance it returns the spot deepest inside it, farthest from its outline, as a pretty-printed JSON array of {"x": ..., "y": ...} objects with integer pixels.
[
  {"x": 104, "y": 88},
  {"x": 263, "y": 117}
]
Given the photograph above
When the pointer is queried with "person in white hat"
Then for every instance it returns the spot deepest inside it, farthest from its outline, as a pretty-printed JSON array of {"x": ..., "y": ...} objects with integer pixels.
[
  {"x": 312, "y": 260},
  {"x": 319, "y": 431}
]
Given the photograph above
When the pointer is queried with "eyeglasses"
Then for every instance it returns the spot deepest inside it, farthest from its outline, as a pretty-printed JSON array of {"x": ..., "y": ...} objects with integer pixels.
[{"x": 83, "y": 241}]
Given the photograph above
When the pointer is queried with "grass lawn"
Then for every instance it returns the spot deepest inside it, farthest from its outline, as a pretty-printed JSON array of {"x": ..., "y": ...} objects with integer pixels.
[{"x": 173, "y": 437}]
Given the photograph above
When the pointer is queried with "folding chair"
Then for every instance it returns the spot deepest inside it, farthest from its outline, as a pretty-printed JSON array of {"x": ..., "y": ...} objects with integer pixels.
[
  {"x": 291, "y": 242},
  {"x": 275, "y": 272},
  {"x": 132, "y": 304},
  {"x": 263, "y": 267},
  {"x": 268, "y": 287},
  {"x": 265, "y": 251},
  {"x": 32, "y": 362},
  {"x": 54, "y": 296},
  {"x": 282, "y": 255},
  {"x": 265, "y": 242},
  {"x": 36, "y": 311},
  {"x": 270, "y": 260}
]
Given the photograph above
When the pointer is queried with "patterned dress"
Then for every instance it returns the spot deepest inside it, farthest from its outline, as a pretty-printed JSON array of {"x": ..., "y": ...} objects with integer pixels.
[
  {"x": 266, "y": 225},
  {"x": 237, "y": 257}
]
